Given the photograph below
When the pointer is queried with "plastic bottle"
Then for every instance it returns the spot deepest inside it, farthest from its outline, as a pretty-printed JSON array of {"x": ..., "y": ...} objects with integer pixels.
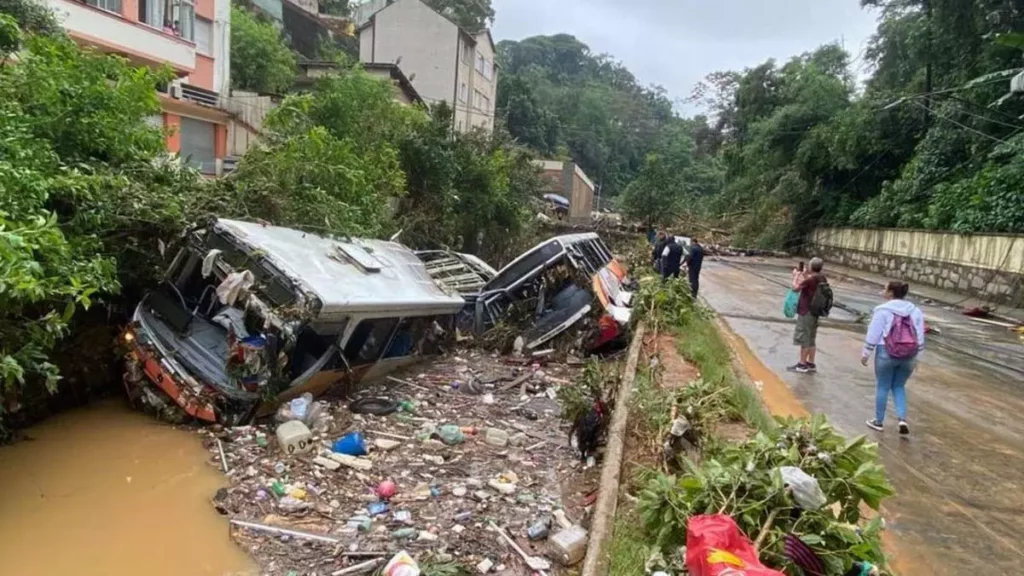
[
  {"x": 496, "y": 437},
  {"x": 540, "y": 529},
  {"x": 278, "y": 488}
]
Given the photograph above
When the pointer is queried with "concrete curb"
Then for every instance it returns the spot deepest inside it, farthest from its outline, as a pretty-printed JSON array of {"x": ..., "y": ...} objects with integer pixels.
[{"x": 596, "y": 561}]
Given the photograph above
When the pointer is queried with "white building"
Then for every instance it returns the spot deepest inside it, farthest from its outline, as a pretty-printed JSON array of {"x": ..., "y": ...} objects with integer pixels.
[{"x": 443, "y": 61}]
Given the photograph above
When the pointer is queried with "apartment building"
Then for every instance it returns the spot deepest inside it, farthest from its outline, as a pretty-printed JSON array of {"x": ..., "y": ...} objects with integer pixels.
[
  {"x": 190, "y": 36},
  {"x": 442, "y": 61}
]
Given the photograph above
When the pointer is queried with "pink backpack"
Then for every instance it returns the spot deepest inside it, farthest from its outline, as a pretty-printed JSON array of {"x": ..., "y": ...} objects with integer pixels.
[{"x": 901, "y": 343}]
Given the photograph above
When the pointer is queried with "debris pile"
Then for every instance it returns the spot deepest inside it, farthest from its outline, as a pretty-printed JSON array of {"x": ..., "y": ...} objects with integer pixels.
[{"x": 466, "y": 463}]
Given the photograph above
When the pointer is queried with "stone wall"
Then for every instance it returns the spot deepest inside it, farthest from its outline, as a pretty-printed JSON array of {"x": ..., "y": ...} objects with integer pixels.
[{"x": 987, "y": 266}]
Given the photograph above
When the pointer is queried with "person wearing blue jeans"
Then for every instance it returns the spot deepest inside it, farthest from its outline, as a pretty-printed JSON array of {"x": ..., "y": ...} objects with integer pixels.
[{"x": 891, "y": 374}]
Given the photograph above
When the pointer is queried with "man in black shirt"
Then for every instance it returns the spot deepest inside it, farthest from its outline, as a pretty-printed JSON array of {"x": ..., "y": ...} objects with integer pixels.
[
  {"x": 659, "y": 247},
  {"x": 671, "y": 258},
  {"x": 694, "y": 260}
]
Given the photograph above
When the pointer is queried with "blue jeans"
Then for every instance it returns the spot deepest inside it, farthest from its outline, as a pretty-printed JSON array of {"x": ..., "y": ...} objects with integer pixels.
[{"x": 891, "y": 375}]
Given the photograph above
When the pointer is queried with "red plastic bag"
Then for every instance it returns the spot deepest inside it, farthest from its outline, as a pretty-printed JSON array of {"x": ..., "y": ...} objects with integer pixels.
[{"x": 715, "y": 546}]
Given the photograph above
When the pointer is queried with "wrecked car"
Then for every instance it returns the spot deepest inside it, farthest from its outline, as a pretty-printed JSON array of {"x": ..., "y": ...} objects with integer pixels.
[
  {"x": 251, "y": 315},
  {"x": 563, "y": 280}
]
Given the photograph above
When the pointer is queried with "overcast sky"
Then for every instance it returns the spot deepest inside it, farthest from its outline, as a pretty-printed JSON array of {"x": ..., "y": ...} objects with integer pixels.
[{"x": 675, "y": 43}]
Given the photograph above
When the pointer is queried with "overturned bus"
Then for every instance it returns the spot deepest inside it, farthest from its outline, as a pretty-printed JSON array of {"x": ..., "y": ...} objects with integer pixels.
[
  {"x": 251, "y": 315},
  {"x": 565, "y": 280}
]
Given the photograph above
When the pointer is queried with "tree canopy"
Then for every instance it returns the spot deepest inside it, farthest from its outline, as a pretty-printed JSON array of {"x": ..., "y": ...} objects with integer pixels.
[
  {"x": 260, "y": 58},
  {"x": 89, "y": 194},
  {"x": 557, "y": 97},
  {"x": 928, "y": 142},
  {"x": 470, "y": 15}
]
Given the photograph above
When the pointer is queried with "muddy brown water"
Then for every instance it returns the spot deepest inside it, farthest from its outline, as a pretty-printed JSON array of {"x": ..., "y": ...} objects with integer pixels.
[{"x": 104, "y": 490}]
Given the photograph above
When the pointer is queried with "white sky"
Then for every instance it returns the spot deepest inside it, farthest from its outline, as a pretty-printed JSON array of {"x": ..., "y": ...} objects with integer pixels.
[{"x": 675, "y": 43}]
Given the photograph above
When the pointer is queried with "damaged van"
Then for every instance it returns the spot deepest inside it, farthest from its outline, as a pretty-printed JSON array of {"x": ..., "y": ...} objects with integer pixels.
[
  {"x": 250, "y": 315},
  {"x": 563, "y": 280}
]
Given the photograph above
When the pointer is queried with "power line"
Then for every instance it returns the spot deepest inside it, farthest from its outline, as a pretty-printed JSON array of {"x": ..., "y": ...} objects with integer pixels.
[
  {"x": 950, "y": 120},
  {"x": 980, "y": 117}
]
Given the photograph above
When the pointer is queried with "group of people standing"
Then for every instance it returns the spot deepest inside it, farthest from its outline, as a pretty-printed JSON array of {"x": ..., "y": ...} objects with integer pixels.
[
  {"x": 895, "y": 337},
  {"x": 669, "y": 257}
]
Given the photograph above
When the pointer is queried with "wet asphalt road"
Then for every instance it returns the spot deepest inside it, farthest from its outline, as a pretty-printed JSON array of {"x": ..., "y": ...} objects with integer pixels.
[{"x": 959, "y": 508}]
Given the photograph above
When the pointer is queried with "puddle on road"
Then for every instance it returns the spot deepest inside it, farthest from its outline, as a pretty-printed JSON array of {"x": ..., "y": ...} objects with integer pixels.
[{"x": 104, "y": 490}]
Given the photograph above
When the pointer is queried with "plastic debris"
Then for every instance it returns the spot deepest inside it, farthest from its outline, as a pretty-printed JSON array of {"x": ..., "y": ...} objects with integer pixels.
[
  {"x": 569, "y": 545},
  {"x": 351, "y": 444},
  {"x": 294, "y": 437},
  {"x": 804, "y": 487},
  {"x": 401, "y": 564},
  {"x": 496, "y": 437},
  {"x": 451, "y": 434},
  {"x": 386, "y": 489}
]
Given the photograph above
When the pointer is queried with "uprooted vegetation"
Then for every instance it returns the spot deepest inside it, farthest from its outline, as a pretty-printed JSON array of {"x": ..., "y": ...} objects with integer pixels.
[
  {"x": 743, "y": 480},
  {"x": 712, "y": 474}
]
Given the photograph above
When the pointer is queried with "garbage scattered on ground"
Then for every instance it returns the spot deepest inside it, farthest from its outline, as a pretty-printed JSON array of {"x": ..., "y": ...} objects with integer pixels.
[{"x": 456, "y": 473}]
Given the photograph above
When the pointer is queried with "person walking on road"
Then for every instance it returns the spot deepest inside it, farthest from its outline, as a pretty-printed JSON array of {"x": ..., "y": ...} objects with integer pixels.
[
  {"x": 896, "y": 336},
  {"x": 694, "y": 260},
  {"x": 671, "y": 258},
  {"x": 815, "y": 302}
]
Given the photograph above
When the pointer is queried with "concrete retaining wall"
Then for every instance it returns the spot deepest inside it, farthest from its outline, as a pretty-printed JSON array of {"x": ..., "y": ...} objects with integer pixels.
[{"x": 988, "y": 266}]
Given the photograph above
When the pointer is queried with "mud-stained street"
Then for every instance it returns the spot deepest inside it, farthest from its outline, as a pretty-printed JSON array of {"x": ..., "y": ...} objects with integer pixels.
[{"x": 959, "y": 507}]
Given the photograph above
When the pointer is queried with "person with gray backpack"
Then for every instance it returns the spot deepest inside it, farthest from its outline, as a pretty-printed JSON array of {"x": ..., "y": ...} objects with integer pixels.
[{"x": 896, "y": 336}]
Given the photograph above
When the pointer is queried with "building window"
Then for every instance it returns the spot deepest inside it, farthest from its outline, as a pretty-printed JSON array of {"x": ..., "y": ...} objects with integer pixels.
[
  {"x": 152, "y": 12},
  {"x": 108, "y": 5},
  {"x": 204, "y": 36},
  {"x": 197, "y": 145},
  {"x": 463, "y": 93},
  {"x": 481, "y": 102},
  {"x": 178, "y": 16},
  {"x": 467, "y": 53},
  {"x": 480, "y": 63},
  {"x": 488, "y": 69},
  {"x": 183, "y": 18}
]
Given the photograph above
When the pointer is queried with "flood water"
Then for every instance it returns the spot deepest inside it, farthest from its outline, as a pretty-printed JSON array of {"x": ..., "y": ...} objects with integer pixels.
[{"x": 104, "y": 490}]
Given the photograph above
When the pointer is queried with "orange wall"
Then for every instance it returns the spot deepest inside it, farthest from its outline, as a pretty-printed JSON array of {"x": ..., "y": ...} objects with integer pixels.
[
  {"x": 130, "y": 9},
  {"x": 172, "y": 122},
  {"x": 204, "y": 8},
  {"x": 203, "y": 76},
  {"x": 220, "y": 140}
]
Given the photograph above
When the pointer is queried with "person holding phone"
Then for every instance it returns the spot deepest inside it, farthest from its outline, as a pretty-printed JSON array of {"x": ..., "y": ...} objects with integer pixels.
[{"x": 809, "y": 310}]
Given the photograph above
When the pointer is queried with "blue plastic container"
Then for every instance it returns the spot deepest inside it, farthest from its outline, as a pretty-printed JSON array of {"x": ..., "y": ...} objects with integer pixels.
[{"x": 351, "y": 444}]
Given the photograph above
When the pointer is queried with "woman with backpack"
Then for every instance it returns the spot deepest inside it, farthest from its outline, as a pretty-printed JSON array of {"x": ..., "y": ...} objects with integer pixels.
[{"x": 896, "y": 335}]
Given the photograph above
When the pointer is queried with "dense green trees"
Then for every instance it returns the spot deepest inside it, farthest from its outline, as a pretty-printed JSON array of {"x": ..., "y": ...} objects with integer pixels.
[
  {"x": 84, "y": 195},
  {"x": 260, "y": 59},
  {"x": 89, "y": 195},
  {"x": 471, "y": 15},
  {"x": 557, "y": 97},
  {"x": 929, "y": 141}
]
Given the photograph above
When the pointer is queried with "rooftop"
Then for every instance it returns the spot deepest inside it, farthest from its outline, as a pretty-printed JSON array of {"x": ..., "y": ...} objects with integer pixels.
[{"x": 351, "y": 275}]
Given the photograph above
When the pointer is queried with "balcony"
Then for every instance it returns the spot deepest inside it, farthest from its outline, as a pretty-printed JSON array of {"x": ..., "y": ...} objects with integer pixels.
[{"x": 109, "y": 31}]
